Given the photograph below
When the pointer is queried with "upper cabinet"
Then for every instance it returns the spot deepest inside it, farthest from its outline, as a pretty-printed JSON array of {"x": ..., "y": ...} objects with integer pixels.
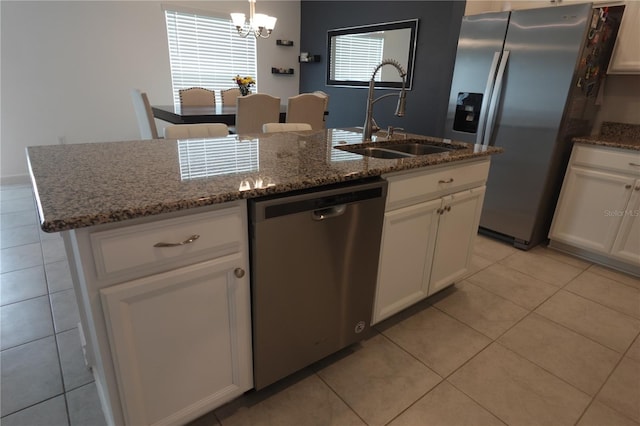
[{"x": 626, "y": 52}]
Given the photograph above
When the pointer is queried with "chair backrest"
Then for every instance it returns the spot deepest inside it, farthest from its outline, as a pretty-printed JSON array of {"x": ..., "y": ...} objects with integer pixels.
[
  {"x": 203, "y": 130},
  {"x": 197, "y": 96},
  {"x": 255, "y": 110},
  {"x": 285, "y": 127},
  {"x": 144, "y": 114},
  {"x": 229, "y": 96},
  {"x": 306, "y": 108},
  {"x": 325, "y": 96}
]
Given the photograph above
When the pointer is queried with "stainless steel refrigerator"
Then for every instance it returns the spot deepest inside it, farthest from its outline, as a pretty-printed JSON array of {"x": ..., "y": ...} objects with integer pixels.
[{"x": 528, "y": 81}]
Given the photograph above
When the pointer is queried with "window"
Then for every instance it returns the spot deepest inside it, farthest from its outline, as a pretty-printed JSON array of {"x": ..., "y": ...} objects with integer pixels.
[
  {"x": 356, "y": 56},
  {"x": 206, "y": 51}
]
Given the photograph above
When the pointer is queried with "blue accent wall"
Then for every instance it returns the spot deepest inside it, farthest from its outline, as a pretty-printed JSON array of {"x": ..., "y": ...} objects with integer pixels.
[{"x": 427, "y": 102}]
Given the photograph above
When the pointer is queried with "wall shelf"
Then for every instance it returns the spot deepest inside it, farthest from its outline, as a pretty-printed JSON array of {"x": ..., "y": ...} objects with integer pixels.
[
  {"x": 287, "y": 43},
  {"x": 275, "y": 70},
  {"x": 309, "y": 58}
]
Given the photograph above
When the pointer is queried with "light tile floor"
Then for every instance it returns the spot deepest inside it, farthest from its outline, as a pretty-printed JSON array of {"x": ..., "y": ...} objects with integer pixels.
[
  {"x": 528, "y": 338},
  {"x": 44, "y": 378}
]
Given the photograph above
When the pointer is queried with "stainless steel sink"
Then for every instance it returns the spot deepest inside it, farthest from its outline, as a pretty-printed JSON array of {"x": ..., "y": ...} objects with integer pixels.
[
  {"x": 418, "y": 148},
  {"x": 391, "y": 150},
  {"x": 378, "y": 152}
]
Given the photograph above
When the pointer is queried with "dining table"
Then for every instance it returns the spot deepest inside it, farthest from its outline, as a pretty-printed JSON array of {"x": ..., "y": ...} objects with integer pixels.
[{"x": 177, "y": 114}]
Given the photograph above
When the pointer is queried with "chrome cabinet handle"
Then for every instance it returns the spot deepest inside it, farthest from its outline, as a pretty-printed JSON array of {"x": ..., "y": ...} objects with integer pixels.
[
  {"x": 634, "y": 164},
  {"x": 440, "y": 211},
  {"x": 637, "y": 188},
  {"x": 448, "y": 208},
  {"x": 446, "y": 181},
  {"x": 627, "y": 186},
  {"x": 187, "y": 241},
  {"x": 238, "y": 272}
]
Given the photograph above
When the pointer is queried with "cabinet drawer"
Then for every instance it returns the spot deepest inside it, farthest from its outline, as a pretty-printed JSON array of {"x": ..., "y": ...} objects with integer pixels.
[
  {"x": 409, "y": 188},
  {"x": 621, "y": 160},
  {"x": 131, "y": 251}
]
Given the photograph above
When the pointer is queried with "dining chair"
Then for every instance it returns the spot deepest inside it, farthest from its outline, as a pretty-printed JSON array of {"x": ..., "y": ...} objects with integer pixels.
[
  {"x": 306, "y": 108},
  {"x": 254, "y": 110},
  {"x": 325, "y": 96},
  {"x": 144, "y": 114},
  {"x": 229, "y": 96},
  {"x": 197, "y": 96},
  {"x": 202, "y": 130},
  {"x": 285, "y": 127}
]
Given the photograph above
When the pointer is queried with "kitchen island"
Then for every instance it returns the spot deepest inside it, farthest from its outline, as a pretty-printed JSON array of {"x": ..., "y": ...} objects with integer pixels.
[
  {"x": 91, "y": 184},
  {"x": 156, "y": 235}
]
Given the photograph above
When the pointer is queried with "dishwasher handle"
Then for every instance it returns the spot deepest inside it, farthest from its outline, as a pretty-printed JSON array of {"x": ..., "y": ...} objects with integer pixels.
[{"x": 329, "y": 212}]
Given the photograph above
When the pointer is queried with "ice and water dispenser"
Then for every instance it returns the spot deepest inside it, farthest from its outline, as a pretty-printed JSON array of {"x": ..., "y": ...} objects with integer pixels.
[{"x": 467, "y": 116}]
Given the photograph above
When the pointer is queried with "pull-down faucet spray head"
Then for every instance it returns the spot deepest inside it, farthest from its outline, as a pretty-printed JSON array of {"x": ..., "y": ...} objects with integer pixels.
[
  {"x": 402, "y": 98},
  {"x": 402, "y": 103}
]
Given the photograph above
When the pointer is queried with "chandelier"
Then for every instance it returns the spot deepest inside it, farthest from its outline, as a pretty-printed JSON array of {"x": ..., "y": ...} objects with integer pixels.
[{"x": 260, "y": 25}]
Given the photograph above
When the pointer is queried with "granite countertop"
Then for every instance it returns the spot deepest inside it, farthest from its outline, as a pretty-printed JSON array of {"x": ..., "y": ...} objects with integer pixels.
[
  {"x": 616, "y": 135},
  {"x": 89, "y": 184}
]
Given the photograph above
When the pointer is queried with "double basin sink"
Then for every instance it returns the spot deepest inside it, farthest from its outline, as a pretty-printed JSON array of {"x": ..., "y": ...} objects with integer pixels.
[{"x": 398, "y": 149}]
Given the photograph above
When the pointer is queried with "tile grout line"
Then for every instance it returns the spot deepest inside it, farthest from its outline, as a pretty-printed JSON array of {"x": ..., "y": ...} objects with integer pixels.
[
  {"x": 55, "y": 334},
  {"x": 593, "y": 399},
  {"x": 532, "y": 311},
  {"x": 33, "y": 405},
  {"x": 338, "y": 396}
]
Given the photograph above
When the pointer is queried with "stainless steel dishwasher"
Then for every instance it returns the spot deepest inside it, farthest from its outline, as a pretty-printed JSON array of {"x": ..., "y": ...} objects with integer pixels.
[{"x": 314, "y": 261}]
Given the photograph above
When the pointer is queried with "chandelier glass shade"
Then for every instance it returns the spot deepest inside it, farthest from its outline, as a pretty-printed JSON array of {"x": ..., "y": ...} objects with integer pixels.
[{"x": 260, "y": 25}]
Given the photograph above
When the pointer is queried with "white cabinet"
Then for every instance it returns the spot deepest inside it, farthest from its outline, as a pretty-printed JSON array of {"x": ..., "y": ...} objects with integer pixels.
[
  {"x": 598, "y": 212},
  {"x": 408, "y": 240},
  {"x": 627, "y": 244},
  {"x": 625, "y": 58},
  {"x": 431, "y": 220},
  {"x": 587, "y": 215},
  {"x": 180, "y": 340},
  {"x": 165, "y": 307},
  {"x": 457, "y": 227}
]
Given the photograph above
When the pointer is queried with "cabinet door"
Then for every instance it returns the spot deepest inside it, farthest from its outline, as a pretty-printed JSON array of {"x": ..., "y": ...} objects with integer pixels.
[
  {"x": 181, "y": 340},
  {"x": 457, "y": 229},
  {"x": 625, "y": 58},
  {"x": 627, "y": 244},
  {"x": 586, "y": 215},
  {"x": 408, "y": 238}
]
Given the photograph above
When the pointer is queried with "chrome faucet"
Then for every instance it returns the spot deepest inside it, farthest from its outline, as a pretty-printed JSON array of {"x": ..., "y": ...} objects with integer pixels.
[{"x": 370, "y": 125}]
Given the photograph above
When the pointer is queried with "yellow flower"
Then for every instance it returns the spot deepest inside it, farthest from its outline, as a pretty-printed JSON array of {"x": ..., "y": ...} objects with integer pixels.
[{"x": 244, "y": 81}]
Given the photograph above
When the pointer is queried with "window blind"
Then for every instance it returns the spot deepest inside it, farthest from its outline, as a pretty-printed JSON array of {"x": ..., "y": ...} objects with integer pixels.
[
  {"x": 357, "y": 56},
  {"x": 206, "y": 51},
  {"x": 201, "y": 158}
]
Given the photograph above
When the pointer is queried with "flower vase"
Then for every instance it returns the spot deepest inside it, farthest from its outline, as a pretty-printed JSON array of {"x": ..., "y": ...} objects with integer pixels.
[{"x": 244, "y": 90}]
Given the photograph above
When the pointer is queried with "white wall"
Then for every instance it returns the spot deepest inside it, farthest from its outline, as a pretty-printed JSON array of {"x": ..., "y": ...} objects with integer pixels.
[
  {"x": 67, "y": 68},
  {"x": 620, "y": 101}
]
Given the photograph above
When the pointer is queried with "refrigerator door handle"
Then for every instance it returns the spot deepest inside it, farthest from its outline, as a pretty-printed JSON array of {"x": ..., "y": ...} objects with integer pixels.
[
  {"x": 488, "y": 91},
  {"x": 495, "y": 98}
]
